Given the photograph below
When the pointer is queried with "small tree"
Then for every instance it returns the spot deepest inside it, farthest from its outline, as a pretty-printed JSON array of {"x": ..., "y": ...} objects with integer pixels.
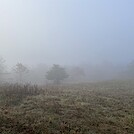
[
  {"x": 2, "y": 66},
  {"x": 2, "y": 69},
  {"x": 56, "y": 74},
  {"x": 20, "y": 69}
]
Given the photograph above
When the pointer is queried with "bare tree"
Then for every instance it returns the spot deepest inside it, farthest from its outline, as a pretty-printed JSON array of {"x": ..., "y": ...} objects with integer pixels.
[
  {"x": 2, "y": 68},
  {"x": 20, "y": 69}
]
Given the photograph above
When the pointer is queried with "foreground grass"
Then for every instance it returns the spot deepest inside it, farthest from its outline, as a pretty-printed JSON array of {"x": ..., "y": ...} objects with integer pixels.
[{"x": 99, "y": 108}]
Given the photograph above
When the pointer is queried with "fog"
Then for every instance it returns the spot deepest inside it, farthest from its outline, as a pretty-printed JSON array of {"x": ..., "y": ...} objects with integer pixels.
[{"x": 94, "y": 36}]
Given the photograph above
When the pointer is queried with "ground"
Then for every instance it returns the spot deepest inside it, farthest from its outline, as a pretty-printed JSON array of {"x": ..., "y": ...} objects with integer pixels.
[{"x": 88, "y": 108}]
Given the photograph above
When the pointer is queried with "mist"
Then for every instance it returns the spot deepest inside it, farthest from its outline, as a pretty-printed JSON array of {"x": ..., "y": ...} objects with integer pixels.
[
  {"x": 96, "y": 36},
  {"x": 66, "y": 67}
]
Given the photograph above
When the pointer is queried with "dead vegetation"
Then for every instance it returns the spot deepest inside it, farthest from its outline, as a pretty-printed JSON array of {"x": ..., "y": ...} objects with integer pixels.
[{"x": 97, "y": 108}]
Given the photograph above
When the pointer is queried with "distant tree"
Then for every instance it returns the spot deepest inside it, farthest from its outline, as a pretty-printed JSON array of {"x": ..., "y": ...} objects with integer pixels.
[
  {"x": 56, "y": 74},
  {"x": 2, "y": 68},
  {"x": 129, "y": 72},
  {"x": 77, "y": 74},
  {"x": 20, "y": 69}
]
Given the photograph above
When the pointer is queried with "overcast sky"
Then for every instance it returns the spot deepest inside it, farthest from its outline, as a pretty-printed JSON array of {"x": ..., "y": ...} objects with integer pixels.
[{"x": 66, "y": 31}]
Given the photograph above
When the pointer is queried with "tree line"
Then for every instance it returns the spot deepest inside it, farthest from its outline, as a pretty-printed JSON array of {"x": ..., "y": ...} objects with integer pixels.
[{"x": 56, "y": 73}]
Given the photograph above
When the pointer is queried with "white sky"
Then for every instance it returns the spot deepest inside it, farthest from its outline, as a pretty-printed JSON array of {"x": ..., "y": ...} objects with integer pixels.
[{"x": 66, "y": 31}]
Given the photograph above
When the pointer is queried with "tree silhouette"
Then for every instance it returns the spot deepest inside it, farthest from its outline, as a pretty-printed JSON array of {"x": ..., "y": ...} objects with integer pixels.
[
  {"x": 2, "y": 69},
  {"x": 20, "y": 69},
  {"x": 56, "y": 74}
]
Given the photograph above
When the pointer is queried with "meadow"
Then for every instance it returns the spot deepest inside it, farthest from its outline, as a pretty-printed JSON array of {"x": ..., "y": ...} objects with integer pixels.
[{"x": 86, "y": 108}]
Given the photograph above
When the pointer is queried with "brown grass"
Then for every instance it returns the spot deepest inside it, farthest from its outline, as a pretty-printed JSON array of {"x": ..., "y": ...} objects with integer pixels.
[{"x": 97, "y": 108}]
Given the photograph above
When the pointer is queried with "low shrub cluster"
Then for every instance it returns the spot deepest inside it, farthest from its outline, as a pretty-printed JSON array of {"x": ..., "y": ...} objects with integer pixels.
[{"x": 13, "y": 94}]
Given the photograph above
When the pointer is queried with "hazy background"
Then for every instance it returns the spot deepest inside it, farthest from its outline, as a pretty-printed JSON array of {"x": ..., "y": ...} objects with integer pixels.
[
  {"x": 85, "y": 33},
  {"x": 66, "y": 31}
]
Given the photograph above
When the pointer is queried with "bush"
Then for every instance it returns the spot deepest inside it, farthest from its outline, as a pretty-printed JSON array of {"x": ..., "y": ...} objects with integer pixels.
[{"x": 13, "y": 94}]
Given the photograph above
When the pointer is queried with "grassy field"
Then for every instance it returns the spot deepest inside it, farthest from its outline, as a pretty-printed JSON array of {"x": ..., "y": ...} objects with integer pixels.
[{"x": 95, "y": 108}]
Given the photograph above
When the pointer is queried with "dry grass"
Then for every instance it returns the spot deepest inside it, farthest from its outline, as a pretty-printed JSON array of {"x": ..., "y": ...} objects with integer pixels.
[{"x": 97, "y": 108}]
